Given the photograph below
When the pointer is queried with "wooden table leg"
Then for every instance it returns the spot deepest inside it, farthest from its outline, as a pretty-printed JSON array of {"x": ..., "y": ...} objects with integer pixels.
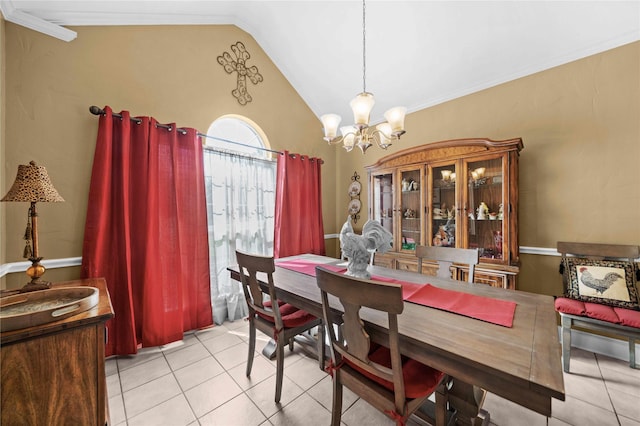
[
  {"x": 270, "y": 349},
  {"x": 467, "y": 400},
  {"x": 306, "y": 341}
]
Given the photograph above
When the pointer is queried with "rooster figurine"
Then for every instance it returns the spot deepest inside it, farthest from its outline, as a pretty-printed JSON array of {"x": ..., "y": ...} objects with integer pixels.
[
  {"x": 358, "y": 248},
  {"x": 599, "y": 285}
]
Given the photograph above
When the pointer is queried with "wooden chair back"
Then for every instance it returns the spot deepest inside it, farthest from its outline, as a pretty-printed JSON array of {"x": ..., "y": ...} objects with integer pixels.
[
  {"x": 354, "y": 343},
  {"x": 599, "y": 251},
  {"x": 446, "y": 257},
  {"x": 250, "y": 266},
  {"x": 595, "y": 251}
]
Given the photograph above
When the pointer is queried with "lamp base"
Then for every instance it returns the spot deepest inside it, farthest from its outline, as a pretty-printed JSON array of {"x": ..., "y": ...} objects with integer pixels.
[
  {"x": 35, "y": 286},
  {"x": 35, "y": 271}
]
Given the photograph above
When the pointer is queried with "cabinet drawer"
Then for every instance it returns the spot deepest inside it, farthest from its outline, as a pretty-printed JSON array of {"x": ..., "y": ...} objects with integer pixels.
[
  {"x": 494, "y": 280},
  {"x": 407, "y": 265},
  {"x": 384, "y": 260}
]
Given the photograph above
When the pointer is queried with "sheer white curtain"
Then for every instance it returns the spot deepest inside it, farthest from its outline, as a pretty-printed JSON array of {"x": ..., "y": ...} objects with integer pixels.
[{"x": 240, "y": 211}]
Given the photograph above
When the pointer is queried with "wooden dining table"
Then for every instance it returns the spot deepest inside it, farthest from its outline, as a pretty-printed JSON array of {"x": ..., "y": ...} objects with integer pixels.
[{"x": 521, "y": 363}]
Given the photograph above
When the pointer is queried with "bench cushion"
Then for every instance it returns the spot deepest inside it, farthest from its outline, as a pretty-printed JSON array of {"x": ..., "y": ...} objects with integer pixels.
[
  {"x": 601, "y": 312},
  {"x": 622, "y": 316},
  {"x": 628, "y": 317},
  {"x": 570, "y": 306}
]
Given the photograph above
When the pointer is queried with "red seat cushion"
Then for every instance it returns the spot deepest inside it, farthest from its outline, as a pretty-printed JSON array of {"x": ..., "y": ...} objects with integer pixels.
[
  {"x": 628, "y": 317},
  {"x": 267, "y": 304},
  {"x": 419, "y": 379},
  {"x": 570, "y": 306},
  {"x": 601, "y": 312},
  {"x": 291, "y": 316}
]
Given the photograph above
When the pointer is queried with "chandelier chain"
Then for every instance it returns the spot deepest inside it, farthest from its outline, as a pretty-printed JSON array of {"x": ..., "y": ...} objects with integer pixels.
[
  {"x": 362, "y": 134},
  {"x": 364, "y": 50}
]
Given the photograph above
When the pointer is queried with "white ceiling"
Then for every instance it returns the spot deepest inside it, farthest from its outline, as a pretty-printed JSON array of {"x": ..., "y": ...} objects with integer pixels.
[{"x": 419, "y": 53}]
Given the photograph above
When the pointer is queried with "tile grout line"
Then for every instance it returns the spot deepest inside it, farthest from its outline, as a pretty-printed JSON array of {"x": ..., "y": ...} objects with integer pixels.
[
  {"x": 615, "y": 412},
  {"x": 195, "y": 416},
  {"x": 244, "y": 391},
  {"x": 225, "y": 370}
]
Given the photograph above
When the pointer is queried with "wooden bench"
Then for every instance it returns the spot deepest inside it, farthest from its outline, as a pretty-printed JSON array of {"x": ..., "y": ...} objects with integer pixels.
[{"x": 591, "y": 315}]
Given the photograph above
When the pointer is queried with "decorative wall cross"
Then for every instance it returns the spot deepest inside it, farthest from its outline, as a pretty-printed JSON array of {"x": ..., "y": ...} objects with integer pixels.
[{"x": 238, "y": 65}]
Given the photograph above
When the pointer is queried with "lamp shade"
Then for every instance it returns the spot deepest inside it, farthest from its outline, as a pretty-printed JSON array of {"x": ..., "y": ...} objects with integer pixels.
[
  {"x": 330, "y": 122},
  {"x": 384, "y": 134},
  {"x": 362, "y": 106},
  {"x": 395, "y": 117},
  {"x": 32, "y": 184},
  {"x": 349, "y": 136}
]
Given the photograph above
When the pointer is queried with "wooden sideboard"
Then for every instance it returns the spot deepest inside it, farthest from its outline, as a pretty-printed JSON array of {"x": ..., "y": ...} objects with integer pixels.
[{"x": 54, "y": 374}]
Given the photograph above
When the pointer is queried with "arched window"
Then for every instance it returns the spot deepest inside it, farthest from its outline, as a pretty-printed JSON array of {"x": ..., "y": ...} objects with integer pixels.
[
  {"x": 239, "y": 134},
  {"x": 240, "y": 184}
]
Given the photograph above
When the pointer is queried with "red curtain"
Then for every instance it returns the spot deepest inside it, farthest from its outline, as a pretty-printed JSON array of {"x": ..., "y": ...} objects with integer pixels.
[
  {"x": 298, "y": 222},
  {"x": 146, "y": 231}
]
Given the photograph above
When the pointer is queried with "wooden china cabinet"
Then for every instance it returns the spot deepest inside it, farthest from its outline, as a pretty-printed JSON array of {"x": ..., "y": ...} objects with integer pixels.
[{"x": 457, "y": 193}]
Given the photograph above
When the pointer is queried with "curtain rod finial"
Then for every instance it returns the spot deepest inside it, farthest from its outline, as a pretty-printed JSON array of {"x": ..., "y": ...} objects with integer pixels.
[{"x": 95, "y": 110}]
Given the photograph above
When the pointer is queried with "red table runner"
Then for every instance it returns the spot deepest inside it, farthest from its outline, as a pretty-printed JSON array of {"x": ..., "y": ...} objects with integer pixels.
[
  {"x": 487, "y": 309},
  {"x": 307, "y": 267}
]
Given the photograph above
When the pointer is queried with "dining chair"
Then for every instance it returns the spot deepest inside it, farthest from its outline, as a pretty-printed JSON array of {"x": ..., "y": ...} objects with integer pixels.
[
  {"x": 447, "y": 256},
  {"x": 396, "y": 385},
  {"x": 281, "y": 324}
]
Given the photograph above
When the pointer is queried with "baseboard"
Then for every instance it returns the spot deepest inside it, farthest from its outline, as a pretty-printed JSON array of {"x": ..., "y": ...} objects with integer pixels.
[{"x": 608, "y": 346}]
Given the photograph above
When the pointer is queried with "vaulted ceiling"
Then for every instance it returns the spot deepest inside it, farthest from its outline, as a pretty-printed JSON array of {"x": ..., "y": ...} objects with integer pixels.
[{"x": 418, "y": 53}]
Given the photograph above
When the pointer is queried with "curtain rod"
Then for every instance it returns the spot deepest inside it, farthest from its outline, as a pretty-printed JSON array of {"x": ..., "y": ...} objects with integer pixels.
[{"x": 99, "y": 111}]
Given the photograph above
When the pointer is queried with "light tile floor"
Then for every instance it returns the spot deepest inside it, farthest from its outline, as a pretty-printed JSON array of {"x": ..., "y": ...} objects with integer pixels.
[{"x": 201, "y": 381}]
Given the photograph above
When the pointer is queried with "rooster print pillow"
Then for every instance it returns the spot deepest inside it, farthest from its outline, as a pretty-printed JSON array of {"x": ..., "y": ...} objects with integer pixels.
[{"x": 602, "y": 281}]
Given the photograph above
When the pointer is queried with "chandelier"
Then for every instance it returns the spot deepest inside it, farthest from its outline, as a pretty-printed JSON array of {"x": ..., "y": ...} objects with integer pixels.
[{"x": 361, "y": 134}]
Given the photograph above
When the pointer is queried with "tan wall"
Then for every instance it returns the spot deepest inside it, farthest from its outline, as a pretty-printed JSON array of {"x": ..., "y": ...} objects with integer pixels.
[
  {"x": 3, "y": 163},
  {"x": 579, "y": 170},
  {"x": 579, "y": 122},
  {"x": 168, "y": 72}
]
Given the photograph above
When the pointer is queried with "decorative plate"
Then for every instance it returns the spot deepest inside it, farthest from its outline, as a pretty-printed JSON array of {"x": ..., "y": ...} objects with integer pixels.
[
  {"x": 354, "y": 206},
  {"x": 355, "y": 188}
]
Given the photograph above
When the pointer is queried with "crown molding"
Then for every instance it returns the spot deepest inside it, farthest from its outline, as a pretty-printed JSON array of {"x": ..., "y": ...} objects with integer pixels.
[{"x": 19, "y": 17}]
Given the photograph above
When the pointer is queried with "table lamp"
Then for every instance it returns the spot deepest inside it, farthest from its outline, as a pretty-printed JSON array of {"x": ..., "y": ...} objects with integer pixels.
[{"x": 33, "y": 185}]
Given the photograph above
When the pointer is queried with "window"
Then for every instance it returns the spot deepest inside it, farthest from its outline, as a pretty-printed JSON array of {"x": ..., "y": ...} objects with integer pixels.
[
  {"x": 240, "y": 182},
  {"x": 238, "y": 134}
]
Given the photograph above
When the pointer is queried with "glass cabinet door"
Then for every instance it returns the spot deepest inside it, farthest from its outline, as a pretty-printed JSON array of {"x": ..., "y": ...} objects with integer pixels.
[
  {"x": 442, "y": 229},
  {"x": 410, "y": 209},
  {"x": 486, "y": 208},
  {"x": 382, "y": 203}
]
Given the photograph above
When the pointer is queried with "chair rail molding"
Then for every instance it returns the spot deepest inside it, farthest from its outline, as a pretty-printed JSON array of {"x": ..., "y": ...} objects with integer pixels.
[
  {"x": 10, "y": 268},
  {"x": 545, "y": 251}
]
